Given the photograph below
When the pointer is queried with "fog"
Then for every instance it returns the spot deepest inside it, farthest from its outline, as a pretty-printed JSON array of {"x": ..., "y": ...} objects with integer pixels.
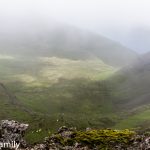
[
  {"x": 124, "y": 21},
  {"x": 76, "y": 63}
]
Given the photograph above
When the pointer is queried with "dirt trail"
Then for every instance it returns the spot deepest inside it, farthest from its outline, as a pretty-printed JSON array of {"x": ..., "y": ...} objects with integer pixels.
[{"x": 14, "y": 101}]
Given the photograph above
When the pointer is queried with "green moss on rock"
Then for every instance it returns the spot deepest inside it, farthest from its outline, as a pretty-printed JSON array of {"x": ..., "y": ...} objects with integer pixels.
[
  {"x": 98, "y": 137},
  {"x": 101, "y": 138}
]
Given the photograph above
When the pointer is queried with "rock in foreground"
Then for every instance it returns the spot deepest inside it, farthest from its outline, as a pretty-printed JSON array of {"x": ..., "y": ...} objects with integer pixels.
[
  {"x": 13, "y": 131},
  {"x": 71, "y": 139}
]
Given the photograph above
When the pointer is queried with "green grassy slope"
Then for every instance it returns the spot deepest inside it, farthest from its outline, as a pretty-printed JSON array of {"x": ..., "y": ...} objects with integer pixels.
[
  {"x": 131, "y": 88},
  {"x": 51, "y": 92}
]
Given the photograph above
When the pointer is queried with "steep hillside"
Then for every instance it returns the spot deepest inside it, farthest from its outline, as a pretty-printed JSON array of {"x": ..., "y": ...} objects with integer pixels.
[
  {"x": 134, "y": 80},
  {"x": 64, "y": 41},
  {"x": 133, "y": 92}
]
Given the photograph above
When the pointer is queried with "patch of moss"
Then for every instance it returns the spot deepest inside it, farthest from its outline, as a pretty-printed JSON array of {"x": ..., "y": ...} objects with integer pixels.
[{"x": 102, "y": 138}]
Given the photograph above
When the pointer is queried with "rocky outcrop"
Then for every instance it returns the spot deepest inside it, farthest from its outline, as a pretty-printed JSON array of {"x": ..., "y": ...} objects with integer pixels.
[
  {"x": 71, "y": 139},
  {"x": 13, "y": 131},
  {"x": 57, "y": 141}
]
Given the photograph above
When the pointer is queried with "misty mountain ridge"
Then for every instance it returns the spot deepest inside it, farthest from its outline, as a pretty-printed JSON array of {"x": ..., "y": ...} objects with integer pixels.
[{"x": 41, "y": 39}]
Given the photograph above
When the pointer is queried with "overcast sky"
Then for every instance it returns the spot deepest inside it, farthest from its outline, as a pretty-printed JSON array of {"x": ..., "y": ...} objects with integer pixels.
[{"x": 120, "y": 20}]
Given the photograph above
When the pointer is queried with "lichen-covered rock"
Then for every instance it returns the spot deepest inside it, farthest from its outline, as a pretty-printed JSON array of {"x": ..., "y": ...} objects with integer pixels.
[
  {"x": 71, "y": 139},
  {"x": 12, "y": 131}
]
